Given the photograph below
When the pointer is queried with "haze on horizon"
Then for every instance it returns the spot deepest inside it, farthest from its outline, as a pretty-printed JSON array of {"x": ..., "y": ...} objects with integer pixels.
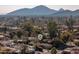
[{"x": 9, "y": 8}]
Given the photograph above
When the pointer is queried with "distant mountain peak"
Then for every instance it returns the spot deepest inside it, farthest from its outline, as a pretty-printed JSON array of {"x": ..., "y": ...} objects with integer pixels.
[
  {"x": 38, "y": 10},
  {"x": 41, "y": 7},
  {"x": 61, "y": 9}
]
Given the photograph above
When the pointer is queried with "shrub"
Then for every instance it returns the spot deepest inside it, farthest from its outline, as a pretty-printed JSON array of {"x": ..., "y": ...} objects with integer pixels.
[
  {"x": 53, "y": 50},
  {"x": 23, "y": 50},
  {"x": 59, "y": 45},
  {"x": 77, "y": 43}
]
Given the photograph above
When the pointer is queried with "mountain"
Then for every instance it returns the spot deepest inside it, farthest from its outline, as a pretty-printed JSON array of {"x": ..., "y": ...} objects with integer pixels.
[
  {"x": 61, "y": 9},
  {"x": 63, "y": 13},
  {"x": 43, "y": 11},
  {"x": 38, "y": 10},
  {"x": 75, "y": 13},
  {"x": 66, "y": 13}
]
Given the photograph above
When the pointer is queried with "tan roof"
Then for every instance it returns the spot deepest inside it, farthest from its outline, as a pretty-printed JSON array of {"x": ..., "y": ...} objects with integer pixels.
[{"x": 1, "y": 36}]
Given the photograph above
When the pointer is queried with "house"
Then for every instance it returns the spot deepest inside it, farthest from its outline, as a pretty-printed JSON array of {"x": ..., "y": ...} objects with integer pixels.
[
  {"x": 2, "y": 37},
  {"x": 76, "y": 35}
]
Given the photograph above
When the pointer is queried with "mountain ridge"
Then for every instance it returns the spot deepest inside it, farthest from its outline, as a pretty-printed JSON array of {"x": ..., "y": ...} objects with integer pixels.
[
  {"x": 38, "y": 10},
  {"x": 43, "y": 11}
]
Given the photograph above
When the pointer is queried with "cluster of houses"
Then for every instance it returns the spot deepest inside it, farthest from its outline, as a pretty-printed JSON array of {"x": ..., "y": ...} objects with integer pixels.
[{"x": 8, "y": 45}]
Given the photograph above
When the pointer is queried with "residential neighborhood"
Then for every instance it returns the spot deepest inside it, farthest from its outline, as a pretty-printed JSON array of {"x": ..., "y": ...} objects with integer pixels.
[{"x": 39, "y": 30}]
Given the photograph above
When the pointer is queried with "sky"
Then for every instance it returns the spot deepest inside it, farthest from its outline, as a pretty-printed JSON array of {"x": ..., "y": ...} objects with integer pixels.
[{"x": 9, "y": 8}]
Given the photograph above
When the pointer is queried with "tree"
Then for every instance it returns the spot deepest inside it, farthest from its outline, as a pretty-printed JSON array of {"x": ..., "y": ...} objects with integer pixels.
[
  {"x": 52, "y": 28},
  {"x": 37, "y": 31},
  {"x": 12, "y": 34},
  {"x": 70, "y": 23},
  {"x": 19, "y": 34},
  {"x": 5, "y": 28},
  {"x": 58, "y": 44},
  {"x": 28, "y": 27},
  {"x": 23, "y": 50},
  {"x": 65, "y": 36}
]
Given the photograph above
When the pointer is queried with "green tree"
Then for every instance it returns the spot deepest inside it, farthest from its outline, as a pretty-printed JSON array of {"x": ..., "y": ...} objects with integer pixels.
[
  {"x": 70, "y": 23},
  {"x": 58, "y": 44},
  {"x": 28, "y": 27},
  {"x": 53, "y": 30},
  {"x": 37, "y": 31},
  {"x": 19, "y": 34},
  {"x": 66, "y": 36}
]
